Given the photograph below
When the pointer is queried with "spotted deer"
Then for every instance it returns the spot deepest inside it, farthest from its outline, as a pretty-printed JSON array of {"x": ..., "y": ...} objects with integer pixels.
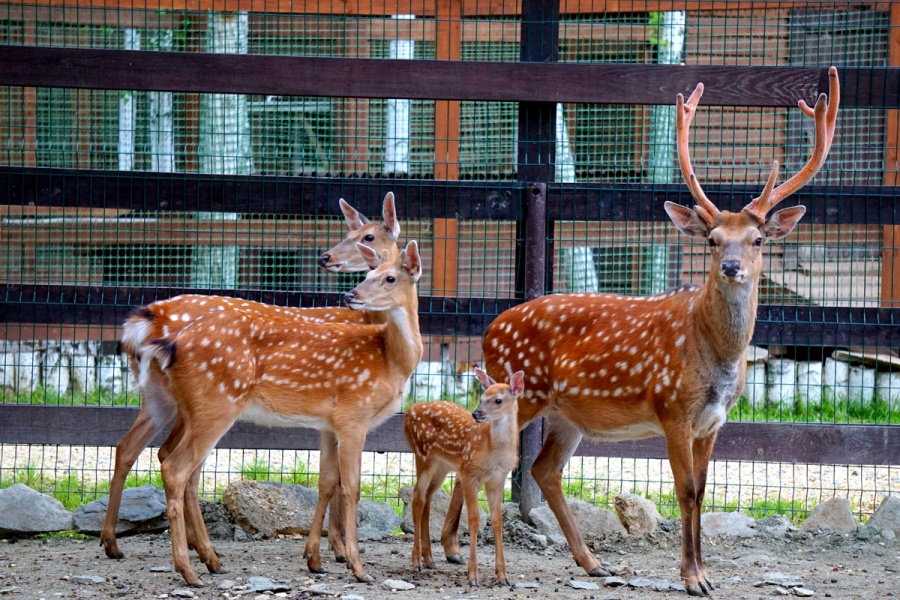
[
  {"x": 235, "y": 364},
  {"x": 482, "y": 447},
  {"x": 628, "y": 367},
  {"x": 167, "y": 317}
]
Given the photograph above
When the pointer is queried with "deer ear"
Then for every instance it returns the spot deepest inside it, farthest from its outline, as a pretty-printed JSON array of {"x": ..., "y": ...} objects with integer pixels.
[
  {"x": 485, "y": 379},
  {"x": 354, "y": 218},
  {"x": 517, "y": 383},
  {"x": 370, "y": 255},
  {"x": 687, "y": 221},
  {"x": 783, "y": 222},
  {"x": 389, "y": 215},
  {"x": 412, "y": 262}
]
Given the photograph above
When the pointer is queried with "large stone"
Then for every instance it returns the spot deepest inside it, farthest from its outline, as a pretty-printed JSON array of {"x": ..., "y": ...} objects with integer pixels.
[
  {"x": 736, "y": 524},
  {"x": 831, "y": 515},
  {"x": 24, "y": 511},
  {"x": 440, "y": 502},
  {"x": 376, "y": 520},
  {"x": 269, "y": 508},
  {"x": 218, "y": 520},
  {"x": 143, "y": 510},
  {"x": 888, "y": 515},
  {"x": 637, "y": 514},
  {"x": 590, "y": 520}
]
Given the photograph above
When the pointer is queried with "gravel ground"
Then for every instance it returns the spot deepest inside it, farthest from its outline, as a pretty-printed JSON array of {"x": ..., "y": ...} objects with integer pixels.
[{"x": 830, "y": 566}]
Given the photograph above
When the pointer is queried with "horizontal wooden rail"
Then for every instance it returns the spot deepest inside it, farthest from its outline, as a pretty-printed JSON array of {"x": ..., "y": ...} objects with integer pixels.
[
  {"x": 782, "y": 325},
  {"x": 726, "y": 85},
  {"x": 417, "y": 198},
  {"x": 811, "y": 443}
]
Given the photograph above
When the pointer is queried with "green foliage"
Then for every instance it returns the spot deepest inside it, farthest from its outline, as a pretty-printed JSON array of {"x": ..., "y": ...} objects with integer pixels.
[
  {"x": 830, "y": 411},
  {"x": 260, "y": 470},
  {"x": 49, "y": 396}
]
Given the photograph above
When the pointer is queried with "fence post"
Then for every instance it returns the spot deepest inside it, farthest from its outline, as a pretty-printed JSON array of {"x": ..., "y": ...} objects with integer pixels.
[{"x": 535, "y": 165}]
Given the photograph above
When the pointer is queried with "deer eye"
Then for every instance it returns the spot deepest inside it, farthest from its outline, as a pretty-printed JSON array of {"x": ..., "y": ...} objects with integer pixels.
[
  {"x": 758, "y": 241},
  {"x": 369, "y": 238},
  {"x": 390, "y": 279},
  {"x": 498, "y": 401}
]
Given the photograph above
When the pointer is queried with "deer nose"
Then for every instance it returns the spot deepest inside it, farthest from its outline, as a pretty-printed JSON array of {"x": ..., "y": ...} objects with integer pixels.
[
  {"x": 731, "y": 267},
  {"x": 350, "y": 296},
  {"x": 323, "y": 260},
  {"x": 478, "y": 415}
]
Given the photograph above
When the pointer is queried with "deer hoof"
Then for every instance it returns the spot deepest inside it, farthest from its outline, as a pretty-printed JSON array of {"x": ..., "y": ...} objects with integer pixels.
[
  {"x": 696, "y": 589},
  {"x": 473, "y": 582},
  {"x": 599, "y": 571},
  {"x": 197, "y": 583},
  {"x": 114, "y": 555},
  {"x": 456, "y": 559},
  {"x": 365, "y": 578},
  {"x": 340, "y": 558},
  {"x": 503, "y": 581},
  {"x": 430, "y": 565}
]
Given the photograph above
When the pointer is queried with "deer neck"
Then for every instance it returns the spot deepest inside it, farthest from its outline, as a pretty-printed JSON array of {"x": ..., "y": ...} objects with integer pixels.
[
  {"x": 505, "y": 433},
  {"x": 402, "y": 339},
  {"x": 726, "y": 316}
]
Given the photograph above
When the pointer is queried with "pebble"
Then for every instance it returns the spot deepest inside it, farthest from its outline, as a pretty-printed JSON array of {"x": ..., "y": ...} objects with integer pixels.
[
  {"x": 640, "y": 582},
  {"x": 780, "y": 590},
  {"x": 803, "y": 592},
  {"x": 583, "y": 585},
  {"x": 182, "y": 593},
  {"x": 783, "y": 579},
  {"x": 614, "y": 582},
  {"x": 396, "y": 585},
  {"x": 88, "y": 579},
  {"x": 160, "y": 569},
  {"x": 531, "y": 585},
  {"x": 226, "y": 584},
  {"x": 352, "y": 597}
]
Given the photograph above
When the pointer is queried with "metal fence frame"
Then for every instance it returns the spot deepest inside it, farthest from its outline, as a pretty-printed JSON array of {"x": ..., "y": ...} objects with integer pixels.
[{"x": 533, "y": 202}]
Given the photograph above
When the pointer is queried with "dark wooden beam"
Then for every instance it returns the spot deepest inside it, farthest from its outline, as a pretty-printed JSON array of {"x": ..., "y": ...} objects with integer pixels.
[
  {"x": 417, "y": 199},
  {"x": 427, "y": 79},
  {"x": 766, "y": 442}
]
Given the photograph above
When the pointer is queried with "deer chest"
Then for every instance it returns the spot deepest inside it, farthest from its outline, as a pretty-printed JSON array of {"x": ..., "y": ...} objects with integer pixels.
[{"x": 721, "y": 391}]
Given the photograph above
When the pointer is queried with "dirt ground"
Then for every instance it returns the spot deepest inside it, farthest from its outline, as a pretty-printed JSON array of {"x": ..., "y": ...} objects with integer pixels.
[{"x": 829, "y": 565}]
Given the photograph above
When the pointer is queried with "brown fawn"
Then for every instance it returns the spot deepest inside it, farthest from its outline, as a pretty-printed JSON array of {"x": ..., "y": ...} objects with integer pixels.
[
  {"x": 482, "y": 447},
  {"x": 629, "y": 367},
  {"x": 232, "y": 364},
  {"x": 167, "y": 317}
]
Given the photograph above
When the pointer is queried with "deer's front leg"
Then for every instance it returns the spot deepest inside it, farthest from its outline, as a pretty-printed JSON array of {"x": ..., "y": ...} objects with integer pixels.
[
  {"x": 494, "y": 490},
  {"x": 470, "y": 490},
  {"x": 562, "y": 440},
  {"x": 351, "y": 441},
  {"x": 702, "y": 452}
]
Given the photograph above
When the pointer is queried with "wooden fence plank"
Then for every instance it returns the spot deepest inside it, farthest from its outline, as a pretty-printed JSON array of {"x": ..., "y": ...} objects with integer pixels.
[
  {"x": 726, "y": 85},
  {"x": 770, "y": 442}
]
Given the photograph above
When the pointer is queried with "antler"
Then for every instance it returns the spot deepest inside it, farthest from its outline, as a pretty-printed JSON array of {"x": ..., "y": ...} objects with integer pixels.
[
  {"x": 684, "y": 114},
  {"x": 825, "y": 114}
]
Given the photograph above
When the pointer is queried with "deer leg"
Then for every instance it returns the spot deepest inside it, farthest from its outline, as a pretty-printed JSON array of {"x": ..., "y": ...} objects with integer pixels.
[
  {"x": 679, "y": 445},
  {"x": 470, "y": 490},
  {"x": 450, "y": 532},
  {"x": 436, "y": 479},
  {"x": 329, "y": 484},
  {"x": 171, "y": 442},
  {"x": 127, "y": 451},
  {"x": 328, "y": 460},
  {"x": 420, "y": 510},
  {"x": 196, "y": 527},
  {"x": 702, "y": 452},
  {"x": 494, "y": 491},
  {"x": 350, "y": 446},
  {"x": 562, "y": 440}
]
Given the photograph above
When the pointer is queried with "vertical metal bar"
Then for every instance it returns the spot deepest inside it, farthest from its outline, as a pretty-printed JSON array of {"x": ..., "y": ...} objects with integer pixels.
[{"x": 535, "y": 158}]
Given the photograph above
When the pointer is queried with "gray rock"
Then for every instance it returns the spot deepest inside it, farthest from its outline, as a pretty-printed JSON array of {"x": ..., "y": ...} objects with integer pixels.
[
  {"x": 781, "y": 591},
  {"x": 182, "y": 593},
  {"x": 241, "y": 536},
  {"x": 590, "y": 519},
  {"x": 376, "y": 520},
  {"x": 218, "y": 520},
  {"x": 831, "y": 515},
  {"x": 866, "y": 532},
  {"x": 803, "y": 592},
  {"x": 25, "y": 511},
  {"x": 888, "y": 515},
  {"x": 637, "y": 514},
  {"x": 583, "y": 585},
  {"x": 352, "y": 597},
  {"x": 641, "y": 582},
  {"x": 783, "y": 579},
  {"x": 269, "y": 508},
  {"x": 736, "y": 524},
  {"x": 440, "y": 502},
  {"x": 226, "y": 584},
  {"x": 775, "y": 525},
  {"x": 614, "y": 582},
  {"x": 396, "y": 585},
  {"x": 143, "y": 510},
  {"x": 160, "y": 569},
  {"x": 528, "y": 585},
  {"x": 265, "y": 584},
  {"x": 88, "y": 579}
]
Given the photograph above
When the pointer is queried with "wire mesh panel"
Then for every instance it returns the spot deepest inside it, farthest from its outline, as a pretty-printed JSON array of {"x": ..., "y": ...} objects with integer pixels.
[{"x": 460, "y": 163}]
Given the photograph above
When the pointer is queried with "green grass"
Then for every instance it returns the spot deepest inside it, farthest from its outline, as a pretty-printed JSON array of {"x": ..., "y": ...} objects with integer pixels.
[
  {"x": 841, "y": 411},
  {"x": 49, "y": 396},
  {"x": 260, "y": 470}
]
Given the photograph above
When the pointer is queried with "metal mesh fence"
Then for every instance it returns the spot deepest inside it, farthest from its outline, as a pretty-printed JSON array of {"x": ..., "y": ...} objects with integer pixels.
[{"x": 819, "y": 265}]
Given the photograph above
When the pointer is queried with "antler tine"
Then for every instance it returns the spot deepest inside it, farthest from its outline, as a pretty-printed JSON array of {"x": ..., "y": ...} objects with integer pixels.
[
  {"x": 684, "y": 114},
  {"x": 825, "y": 115}
]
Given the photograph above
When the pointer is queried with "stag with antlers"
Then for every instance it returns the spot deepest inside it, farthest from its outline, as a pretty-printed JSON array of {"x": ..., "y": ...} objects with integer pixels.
[{"x": 630, "y": 367}]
